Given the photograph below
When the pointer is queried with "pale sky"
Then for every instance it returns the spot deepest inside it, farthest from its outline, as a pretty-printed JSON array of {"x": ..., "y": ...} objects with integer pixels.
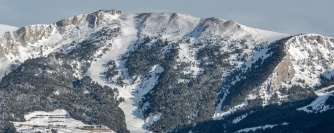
[{"x": 286, "y": 16}]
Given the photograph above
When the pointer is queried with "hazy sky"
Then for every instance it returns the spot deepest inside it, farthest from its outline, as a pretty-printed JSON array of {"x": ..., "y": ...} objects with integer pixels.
[{"x": 286, "y": 16}]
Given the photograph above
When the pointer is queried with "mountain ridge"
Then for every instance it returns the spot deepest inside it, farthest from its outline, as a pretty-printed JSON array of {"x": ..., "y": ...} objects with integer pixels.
[{"x": 167, "y": 72}]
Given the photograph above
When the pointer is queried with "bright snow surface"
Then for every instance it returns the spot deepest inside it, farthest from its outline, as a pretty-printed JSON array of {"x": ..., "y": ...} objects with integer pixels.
[
  {"x": 4, "y": 63},
  {"x": 253, "y": 129},
  {"x": 120, "y": 46},
  {"x": 132, "y": 93},
  {"x": 318, "y": 105},
  {"x": 5, "y": 28},
  {"x": 41, "y": 121}
]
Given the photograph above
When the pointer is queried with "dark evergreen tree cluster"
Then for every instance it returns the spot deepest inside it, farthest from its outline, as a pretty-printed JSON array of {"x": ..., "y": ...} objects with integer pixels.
[
  {"x": 182, "y": 103},
  {"x": 45, "y": 84}
]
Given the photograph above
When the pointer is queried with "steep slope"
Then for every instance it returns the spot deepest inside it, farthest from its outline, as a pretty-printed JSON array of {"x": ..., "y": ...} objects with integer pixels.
[
  {"x": 292, "y": 86},
  {"x": 54, "y": 76},
  {"x": 166, "y": 72},
  {"x": 309, "y": 63},
  {"x": 306, "y": 62},
  {"x": 195, "y": 61}
]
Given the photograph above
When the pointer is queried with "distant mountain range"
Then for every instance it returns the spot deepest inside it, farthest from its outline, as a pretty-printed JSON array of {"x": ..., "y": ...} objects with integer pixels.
[{"x": 165, "y": 72}]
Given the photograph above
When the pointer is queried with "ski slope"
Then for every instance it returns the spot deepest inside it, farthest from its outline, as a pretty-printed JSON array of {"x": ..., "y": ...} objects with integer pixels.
[{"x": 119, "y": 46}]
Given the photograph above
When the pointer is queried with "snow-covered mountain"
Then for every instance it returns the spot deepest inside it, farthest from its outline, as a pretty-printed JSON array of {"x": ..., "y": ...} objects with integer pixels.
[
  {"x": 5, "y": 28},
  {"x": 166, "y": 72}
]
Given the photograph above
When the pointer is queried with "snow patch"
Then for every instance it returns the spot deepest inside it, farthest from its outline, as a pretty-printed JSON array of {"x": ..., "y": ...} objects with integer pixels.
[
  {"x": 238, "y": 119},
  {"x": 187, "y": 54},
  {"x": 5, "y": 67},
  {"x": 312, "y": 56},
  {"x": 5, "y": 28},
  {"x": 253, "y": 129},
  {"x": 151, "y": 119},
  {"x": 131, "y": 91},
  {"x": 318, "y": 105},
  {"x": 56, "y": 93},
  {"x": 59, "y": 120},
  {"x": 219, "y": 115},
  {"x": 264, "y": 35}
]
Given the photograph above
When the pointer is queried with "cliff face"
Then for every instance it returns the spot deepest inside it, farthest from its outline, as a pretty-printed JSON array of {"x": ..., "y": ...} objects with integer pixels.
[{"x": 166, "y": 72}]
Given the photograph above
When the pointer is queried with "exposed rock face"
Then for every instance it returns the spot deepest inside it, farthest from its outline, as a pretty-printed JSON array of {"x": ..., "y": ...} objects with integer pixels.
[
  {"x": 285, "y": 72},
  {"x": 165, "y": 72}
]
